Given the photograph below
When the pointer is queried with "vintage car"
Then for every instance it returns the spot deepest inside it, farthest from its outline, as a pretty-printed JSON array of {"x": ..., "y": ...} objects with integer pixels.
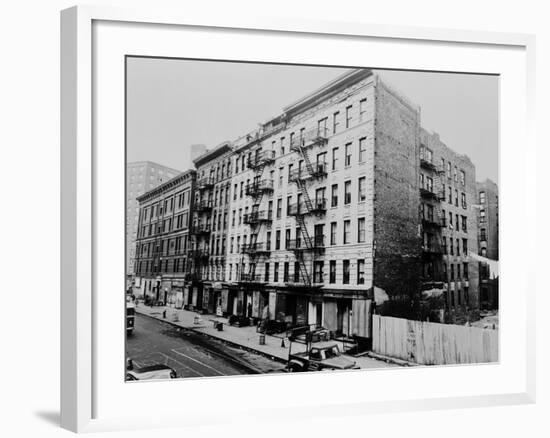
[
  {"x": 150, "y": 372},
  {"x": 321, "y": 356}
]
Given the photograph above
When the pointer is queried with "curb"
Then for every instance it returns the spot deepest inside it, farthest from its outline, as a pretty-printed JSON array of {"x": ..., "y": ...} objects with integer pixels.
[
  {"x": 400, "y": 362},
  {"x": 228, "y": 342}
]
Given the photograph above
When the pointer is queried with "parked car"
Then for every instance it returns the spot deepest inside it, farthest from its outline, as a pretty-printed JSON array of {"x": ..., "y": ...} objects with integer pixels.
[
  {"x": 151, "y": 372},
  {"x": 322, "y": 356}
]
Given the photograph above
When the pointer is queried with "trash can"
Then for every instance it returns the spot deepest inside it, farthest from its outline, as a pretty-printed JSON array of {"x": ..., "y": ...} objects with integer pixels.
[
  {"x": 219, "y": 326},
  {"x": 262, "y": 339},
  {"x": 196, "y": 320}
]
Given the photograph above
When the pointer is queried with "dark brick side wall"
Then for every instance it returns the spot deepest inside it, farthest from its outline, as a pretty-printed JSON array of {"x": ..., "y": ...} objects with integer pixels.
[{"x": 397, "y": 266}]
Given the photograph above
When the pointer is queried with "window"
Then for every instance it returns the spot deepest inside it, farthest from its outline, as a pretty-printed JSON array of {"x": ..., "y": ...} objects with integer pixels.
[
  {"x": 482, "y": 215},
  {"x": 287, "y": 238},
  {"x": 483, "y": 234},
  {"x": 450, "y": 195},
  {"x": 318, "y": 271},
  {"x": 464, "y": 224},
  {"x": 235, "y": 193},
  {"x": 276, "y": 272},
  {"x": 335, "y": 122},
  {"x": 333, "y": 228},
  {"x": 457, "y": 247},
  {"x": 347, "y": 157},
  {"x": 463, "y": 199},
  {"x": 362, "y": 149},
  {"x": 429, "y": 184},
  {"x": 347, "y": 231},
  {"x": 348, "y": 116},
  {"x": 231, "y": 242},
  {"x": 285, "y": 272},
  {"x": 334, "y": 158},
  {"x": 266, "y": 272},
  {"x": 296, "y": 272},
  {"x": 270, "y": 210},
  {"x": 452, "y": 272},
  {"x": 482, "y": 197},
  {"x": 346, "y": 272},
  {"x": 288, "y": 202},
  {"x": 291, "y": 141},
  {"x": 465, "y": 246},
  {"x": 334, "y": 195},
  {"x": 455, "y": 174},
  {"x": 449, "y": 169},
  {"x": 362, "y": 109},
  {"x": 444, "y": 245},
  {"x": 241, "y": 190},
  {"x": 462, "y": 178},
  {"x": 278, "y": 239},
  {"x": 332, "y": 272},
  {"x": 347, "y": 192},
  {"x": 281, "y": 172},
  {"x": 279, "y": 208},
  {"x": 322, "y": 127},
  {"x": 465, "y": 270},
  {"x": 456, "y": 197},
  {"x": 361, "y": 230},
  {"x": 361, "y": 271},
  {"x": 240, "y": 216},
  {"x": 282, "y": 145},
  {"x": 268, "y": 240}
]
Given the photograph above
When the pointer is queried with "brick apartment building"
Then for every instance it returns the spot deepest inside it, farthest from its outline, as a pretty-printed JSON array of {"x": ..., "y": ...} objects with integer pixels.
[
  {"x": 340, "y": 198},
  {"x": 487, "y": 193},
  {"x": 162, "y": 259},
  {"x": 141, "y": 176},
  {"x": 449, "y": 225},
  {"x": 209, "y": 231}
]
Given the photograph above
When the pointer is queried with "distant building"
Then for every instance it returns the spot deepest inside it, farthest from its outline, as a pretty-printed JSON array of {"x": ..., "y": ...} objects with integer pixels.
[
  {"x": 161, "y": 261},
  {"x": 141, "y": 177},
  {"x": 487, "y": 192}
]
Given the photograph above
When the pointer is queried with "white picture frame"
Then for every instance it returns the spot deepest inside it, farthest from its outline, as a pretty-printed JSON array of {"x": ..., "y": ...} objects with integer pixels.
[{"x": 83, "y": 366}]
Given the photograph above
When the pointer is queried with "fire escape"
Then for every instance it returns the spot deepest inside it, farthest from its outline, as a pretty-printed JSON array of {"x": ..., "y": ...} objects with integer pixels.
[
  {"x": 256, "y": 218},
  {"x": 307, "y": 248},
  {"x": 200, "y": 230},
  {"x": 433, "y": 221}
]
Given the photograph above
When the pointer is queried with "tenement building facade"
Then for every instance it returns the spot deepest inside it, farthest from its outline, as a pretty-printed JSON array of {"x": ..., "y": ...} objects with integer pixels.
[
  {"x": 161, "y": 261},
  {"x": 324, "y": 207},
  {"x": 487, "y": 193},
  {"x": 141, "y": 176},
  {"x": 449, "y": 226},
  {"x": 206, "y": 276},
  {"x": 322, "y": 213}
]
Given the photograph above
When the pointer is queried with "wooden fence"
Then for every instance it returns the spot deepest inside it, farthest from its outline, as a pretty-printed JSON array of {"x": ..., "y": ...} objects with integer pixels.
[{"x": 429, "y": 343}]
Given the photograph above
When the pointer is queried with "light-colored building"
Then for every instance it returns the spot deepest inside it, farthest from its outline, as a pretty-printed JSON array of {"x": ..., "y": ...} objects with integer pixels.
[
  {"x": 162, "y": 258},
  {"x": 325, "y": 201},
  {"x": 141, "y": 176}
]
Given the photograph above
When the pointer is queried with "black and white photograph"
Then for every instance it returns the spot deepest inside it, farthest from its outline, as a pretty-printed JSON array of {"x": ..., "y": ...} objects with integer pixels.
[{"x": 287, "y": 218}]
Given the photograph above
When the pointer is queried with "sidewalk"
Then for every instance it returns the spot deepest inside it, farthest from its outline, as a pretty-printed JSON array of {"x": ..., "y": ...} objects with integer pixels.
[{"x": 244, "y": 337}]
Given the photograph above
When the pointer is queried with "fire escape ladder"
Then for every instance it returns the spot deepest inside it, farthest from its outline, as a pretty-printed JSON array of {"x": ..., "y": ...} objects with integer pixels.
[
  {"x": 303, "y": 190},
  {"x": 305, "y": 156},
  {"x": 304, "y": 274}
]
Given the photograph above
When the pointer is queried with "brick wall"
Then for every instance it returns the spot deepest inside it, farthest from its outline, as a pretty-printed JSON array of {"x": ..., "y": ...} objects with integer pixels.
[{"x": 396, "y": 195}]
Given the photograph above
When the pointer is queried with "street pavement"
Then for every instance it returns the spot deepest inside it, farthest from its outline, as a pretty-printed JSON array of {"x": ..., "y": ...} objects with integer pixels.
[
  {"x": 189, "y": 353},
  {"x": 276, "y": 347}
]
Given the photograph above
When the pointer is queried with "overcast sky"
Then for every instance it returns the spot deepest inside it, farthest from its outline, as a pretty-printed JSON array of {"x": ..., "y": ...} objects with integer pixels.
[{"x": 175, "y": 103}]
